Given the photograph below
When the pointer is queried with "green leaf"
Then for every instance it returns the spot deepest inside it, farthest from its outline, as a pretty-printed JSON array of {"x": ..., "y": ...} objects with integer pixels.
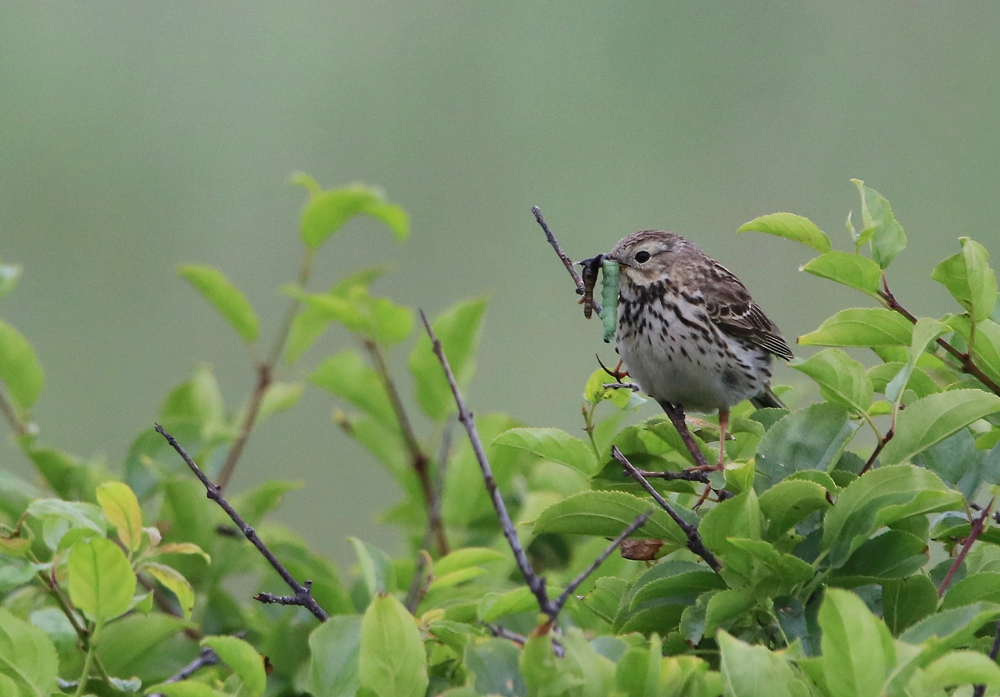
[
  {"x": 841, "y": 379},
  {"x": 121, "y": 508},
  {"x": 280, "y": 396},
  {"x": 986, "y": 348},
  {"x": 932, "y": 419},
  {"x": 458, "y": 330},
  {"x": 347, "y": 376},
  {"x": 788, "y": 503},
  {"x": 326, "y": 212},
  {"x": 919, "y": 382},
  {"x": 243, "y": 659},
  {"x": 972, "y": 589},
  {"x": 969, "y": 279},
  {"x": 129, "y": 644},
  {"x": 607, "y": 513},
  {"x": 894, "y": 554},
  {"x": 961, "y": 668},
  {"x": 376, "y": 567},
  {"x": 810, "y": 439},
  {"x": 101, "y": 582},
  {"x": 78, "y": 515},
  {"x": 907, "y": 601},
  {"x": 851, "y": 270},
  {"x": 377, "y": 318},
  {"x": 678, "y": 580},
  {"x": 754, "y": 671},
  {"x": 792, "y": 227},
  {"x": 226, "y": 298},
  {"x": 857, "y": 649},
  {"x": 27, "y": 657},
  {"x": 494, "y": 665},
  {"x": 335, "y": 647},
  {"x": 186, "y": 688},
  {"x": 19, "y": 367},
  {"x": 925, "y": 331},
  {"x": 958, "y": 461},
  {"x": 951, "y": 628},
  {"x": 887, "y": 236},
  {"x": 551, "y": 444},
  {"x": 880, "y": 497},
  {"x": 465, "y": 558},
  {"x": 392, "y": 661},
  {"x": 862, "y": 326},
  {"x": 175, "y": 582},
  {"x": 726, "y": 606}
]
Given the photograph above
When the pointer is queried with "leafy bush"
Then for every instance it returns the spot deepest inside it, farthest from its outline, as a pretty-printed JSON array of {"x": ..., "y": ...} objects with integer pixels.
[{"x": 821, "y": 567}]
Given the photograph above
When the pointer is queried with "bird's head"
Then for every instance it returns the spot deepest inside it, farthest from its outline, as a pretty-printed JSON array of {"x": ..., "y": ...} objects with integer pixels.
[{"x": 647, "y": 256}]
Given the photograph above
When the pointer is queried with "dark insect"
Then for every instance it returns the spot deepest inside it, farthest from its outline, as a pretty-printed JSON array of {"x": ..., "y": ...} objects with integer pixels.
[{"x": 590, "y": 268}]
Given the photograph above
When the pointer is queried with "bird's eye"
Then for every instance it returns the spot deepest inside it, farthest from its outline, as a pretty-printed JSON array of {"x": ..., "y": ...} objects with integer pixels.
[{"x": 642, "y": 257}]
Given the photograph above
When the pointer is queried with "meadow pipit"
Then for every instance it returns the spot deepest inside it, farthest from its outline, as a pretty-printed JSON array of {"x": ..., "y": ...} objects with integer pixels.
[{"x": 688, "y": 331}]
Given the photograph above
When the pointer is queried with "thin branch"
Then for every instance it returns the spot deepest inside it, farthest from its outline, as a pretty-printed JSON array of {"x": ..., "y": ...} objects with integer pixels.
[
  {"x": 976, "y": 528},
  {"x": 534, "y": 581},
  {"x": 562, "y": 255},
  {"x": 519, "y": 639},
  {"x": 18, "y": 426},
  {"x": 676, "y": 416},
  {"x": 878, "y": 449},
  {"x": 302, "y": 595},
  {"x": 695, "y": 543},
  {"x": 639, "y": 521},
  {"x": 420, "y": 583},
  {"x": 967, "y": 364},
  {"x": 683, "y": 475},
  {"x": 207, "y": 657},
  {"x": 419, "y": 460}
]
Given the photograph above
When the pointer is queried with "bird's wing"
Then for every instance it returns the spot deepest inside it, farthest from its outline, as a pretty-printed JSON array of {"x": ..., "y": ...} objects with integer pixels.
[{"x": 733, "y": 310}]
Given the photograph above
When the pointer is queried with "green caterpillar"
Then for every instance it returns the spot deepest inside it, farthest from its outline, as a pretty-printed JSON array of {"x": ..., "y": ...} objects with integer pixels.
[{"x": 609, "y": 298}]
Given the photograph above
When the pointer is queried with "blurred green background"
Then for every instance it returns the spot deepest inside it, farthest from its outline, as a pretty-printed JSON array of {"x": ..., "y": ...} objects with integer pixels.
[{"x": 138, "y": 136}]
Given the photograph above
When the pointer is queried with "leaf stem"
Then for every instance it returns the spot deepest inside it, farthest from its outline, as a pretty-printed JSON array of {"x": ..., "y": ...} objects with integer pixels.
[
  {"x": 89, "y": 659},
  {"x": 10, "y": 416}
]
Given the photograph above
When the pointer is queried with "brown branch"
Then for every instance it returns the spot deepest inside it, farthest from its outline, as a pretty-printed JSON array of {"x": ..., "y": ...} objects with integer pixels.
[
  {"x": 567, "y": 262},
  {"x": 976, "y": 528},
  {"x": 878, "y": 449},
  {"x": 694, "y": 541},
  {"x": 207, "y": 657},
  {"x": 534, "y": 581},
  {"x": 639, "y": 521},
  {"x": 302, "y": 595},
  {"x": 419, "y": 460},
  {"x": 966, "y": 361},
  {"x": 676, "y": 415},
  {"x": 519, "y": 639},
  {"x": 683, "y": 475},
  {"x": 236, "y": 450}
]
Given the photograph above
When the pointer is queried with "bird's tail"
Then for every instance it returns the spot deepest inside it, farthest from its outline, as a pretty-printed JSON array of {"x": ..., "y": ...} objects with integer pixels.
[{"x": 767, "y": 400}]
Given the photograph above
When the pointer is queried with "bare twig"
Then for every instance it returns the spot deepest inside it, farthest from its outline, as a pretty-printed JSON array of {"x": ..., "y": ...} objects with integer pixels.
[
  {"x": 966, "y": 361},
  {"x": 534, "y": 581},
  {"x": 976, "y": 528},
  {"x": 695, "y": 543},
  {"x": 994, "y": 652},
  {"x": 683, "y": 475},
  {"x": 302, "y": 595},
  {"x": 519, "y": 639},
  {"x": 615, "y": 544},
  {"x": 562, "y": 255},
  {"x": 676, "y": 415},
  {"x": 207, "y": 657},
  {"x": 878, "y": 449},
  {"x": 418, "y": 458},
  {"x": 420, "y": 583}
]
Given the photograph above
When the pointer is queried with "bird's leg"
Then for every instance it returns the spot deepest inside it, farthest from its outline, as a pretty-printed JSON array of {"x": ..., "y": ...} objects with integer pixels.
[
  {"x": 723, "y": 423},
  {"x": 617, "y": 373},
  {"x": 676, "y": 416}
]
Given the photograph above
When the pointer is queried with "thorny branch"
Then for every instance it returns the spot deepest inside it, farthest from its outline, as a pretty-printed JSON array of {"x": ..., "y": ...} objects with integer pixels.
[
  {"x": 418, "y": 458},
  {"x": 302, "y": 595},
  {"x": 695, "y": 543}
]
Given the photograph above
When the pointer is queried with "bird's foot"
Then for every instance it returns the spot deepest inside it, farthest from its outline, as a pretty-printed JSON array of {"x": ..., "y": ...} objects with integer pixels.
[{"x": 617, "y": 373}]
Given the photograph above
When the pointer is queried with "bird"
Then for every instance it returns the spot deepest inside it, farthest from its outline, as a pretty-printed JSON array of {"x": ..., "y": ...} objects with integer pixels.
[{"x": 689, "y": 333}]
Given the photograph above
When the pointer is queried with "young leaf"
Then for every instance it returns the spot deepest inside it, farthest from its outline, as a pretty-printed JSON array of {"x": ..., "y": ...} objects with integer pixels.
[
  {"x": 280, "y": 396},
  {"x": 969, "y": 278},
  {"x": 792, "y": 227},
  {"x": 972, "y": 589},
  {"x": 726, "y": 606},
  {"x": 101, "y": 582},
  {"x": 926, "y": 330},
  {"x": 862, "y": 326},
  {"x": 347, "y": 376},
  {"x": 851, "y": 270},
  {"x": 841, "y": 379},
  {"x": 607, "y": 513},
  {"x": 986, "y": 348},
  {"x": 857, "y": 649},
  {"x": 376, "y": 567},
  {"x": 121, "y": 508},
  {"x": 226, "y": 298},
  {"x": 754, "y": 671},
  {"x": 243, "y": 659},
  {"x": 175, "y": 582},
  {"x": 334, "y": 648},
  {"x": 894, "y": 554},
  {"x": 78, "y": 515},
  {"x": 961, "y": 668},
  {"x": 907, "y": 601},
  {"x": 551, "y": 444},
  {"x": 326, "y": 212},
  {"x": 392, "y": 661},
  {"x": 789, "y": 502},
  {"x": 932, "y": 419},
  {"x": 887, "y": 236},
  {"x": 19, "y": 367},
  {"x": 882, "y": 496},
  {"x": 465, "y": 558},
  {"x": 130, "y": 644},
  {"x": 458, "y": 330},
  {"x": 27, "y": 658}
]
